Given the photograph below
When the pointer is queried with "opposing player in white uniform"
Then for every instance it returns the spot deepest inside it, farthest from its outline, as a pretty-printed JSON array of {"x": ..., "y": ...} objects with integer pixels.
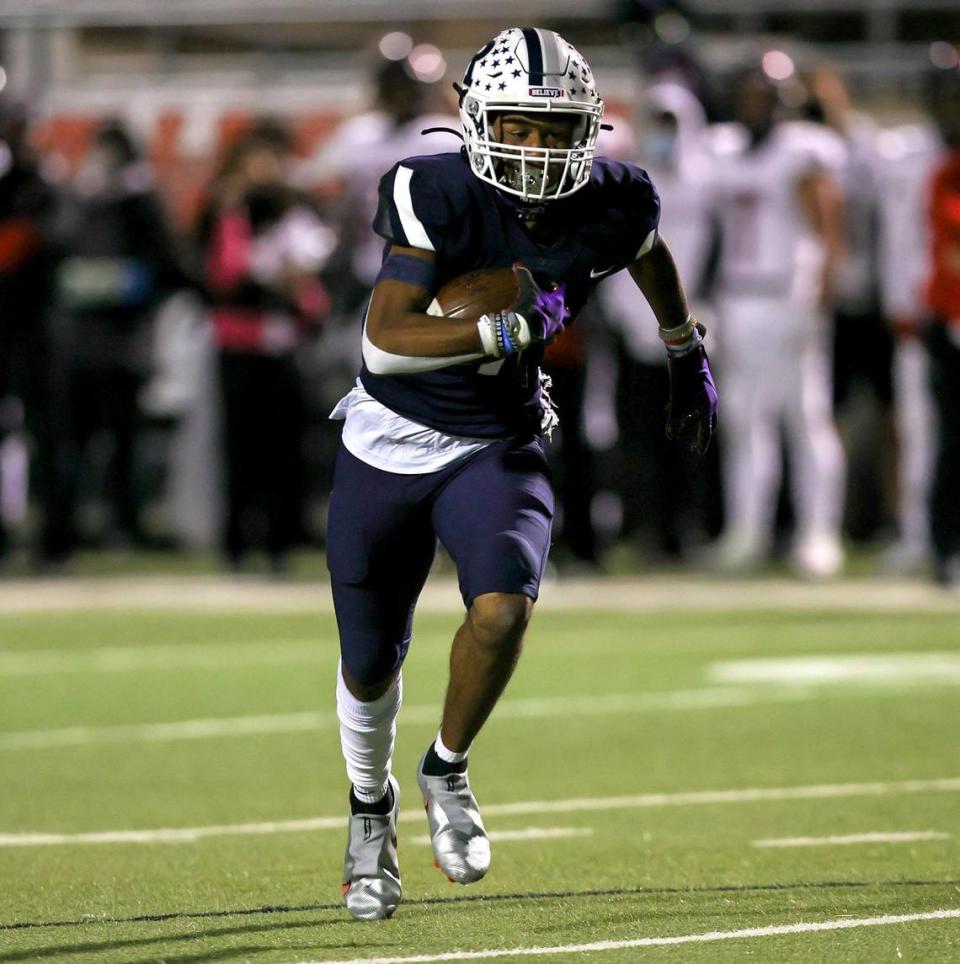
[
  {"x": 363, "y": 147},
  {"x": 907, "y": 156},
  {"x": 778, "y": 209},
  {"x": 863, "y": 340}
]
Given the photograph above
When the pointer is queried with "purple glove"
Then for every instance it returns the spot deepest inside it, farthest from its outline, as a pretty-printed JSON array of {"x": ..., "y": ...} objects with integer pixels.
[
  {"x": 544, "y": 311},
  {"x": 693, "y": 405},
  {"x": 535, "y": 317}
]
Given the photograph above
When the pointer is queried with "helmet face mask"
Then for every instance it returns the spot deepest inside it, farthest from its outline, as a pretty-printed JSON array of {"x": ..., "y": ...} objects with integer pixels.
[{"x": 534, "y": 73}]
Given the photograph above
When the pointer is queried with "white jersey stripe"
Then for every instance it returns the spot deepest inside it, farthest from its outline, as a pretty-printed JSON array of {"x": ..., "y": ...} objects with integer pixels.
[
  {"x": 647, "y": 245},
  {"x": 415, "y": 231}
]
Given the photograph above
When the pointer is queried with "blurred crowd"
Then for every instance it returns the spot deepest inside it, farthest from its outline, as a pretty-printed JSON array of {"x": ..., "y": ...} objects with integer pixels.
[{"x": 168, "y": 385}]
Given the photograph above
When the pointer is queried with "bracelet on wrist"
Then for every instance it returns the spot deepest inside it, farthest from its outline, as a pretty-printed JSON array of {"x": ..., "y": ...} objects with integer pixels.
[
  {"x": 497, "y": 336},
  {"x": 487, "y": 326},
  {"x": 680, "y": 334},
  {"x": 684, "y": 338}
]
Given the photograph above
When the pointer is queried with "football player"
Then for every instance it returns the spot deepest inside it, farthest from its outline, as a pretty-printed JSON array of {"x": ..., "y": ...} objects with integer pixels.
[
  {"x": 443, "y": 432},
  {"x": 907, "y": 156},
  {"x": 778, "y": 208}
]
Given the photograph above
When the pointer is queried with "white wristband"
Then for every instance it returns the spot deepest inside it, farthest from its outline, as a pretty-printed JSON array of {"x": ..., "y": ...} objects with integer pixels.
[
  {"x": 487, "y": 326},
  {"x": 680, "y": 334},
  {"x": 503, "y": 333}
]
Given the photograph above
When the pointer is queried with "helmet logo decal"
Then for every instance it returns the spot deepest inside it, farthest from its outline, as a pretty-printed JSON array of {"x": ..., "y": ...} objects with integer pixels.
[{"x": 545, "y": 91}]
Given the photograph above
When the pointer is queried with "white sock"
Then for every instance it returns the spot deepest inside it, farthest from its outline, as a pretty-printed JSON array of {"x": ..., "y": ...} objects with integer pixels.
[
  {"x": 367, "y": 735},
  {"x": 448, "y": 756}
]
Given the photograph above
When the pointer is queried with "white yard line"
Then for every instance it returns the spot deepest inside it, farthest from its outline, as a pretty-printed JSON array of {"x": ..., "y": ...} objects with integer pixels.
[
  {"x": 165, "y": 732},
  {"x": 650, "y": 593},
  {"x": 525, "y": 807},
  {"x": 530, "y": 833},
  {"x": 774, "y": 930},
  {"x": 853, "y": 838},
  {"x": 867, "y": 668},
  {"x": 902, "y": 669},
  {"x": 532, "y": 708},
  {"x": 186, "y": 655},
  {"x": 172, "y": 834}
]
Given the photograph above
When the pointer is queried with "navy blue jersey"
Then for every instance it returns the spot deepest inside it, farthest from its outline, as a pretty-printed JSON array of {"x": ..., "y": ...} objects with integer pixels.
[{"x": 436, "y": 203}]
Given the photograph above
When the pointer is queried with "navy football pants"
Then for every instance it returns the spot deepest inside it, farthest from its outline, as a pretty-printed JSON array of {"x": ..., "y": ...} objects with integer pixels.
[{"x": 492, "y": 511}]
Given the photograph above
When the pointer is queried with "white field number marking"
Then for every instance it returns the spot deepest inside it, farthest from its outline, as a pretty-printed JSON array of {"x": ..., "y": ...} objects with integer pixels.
[
  {"x": 525, "y": 808},
  {"x": 530, "y": 833},
  {"x": 901, "y": 669},
  {"x": 774, "y": 930},
  {"x": 853, "y": 838}
]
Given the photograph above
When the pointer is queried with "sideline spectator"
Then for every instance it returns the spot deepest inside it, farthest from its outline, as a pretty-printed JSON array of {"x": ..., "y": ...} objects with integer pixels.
[
  {"x": 360, "y": 150},
  {"x": 28, "y": 208},
  {"x": 943, "y": 331},
  {"x": 119, "y": 264},
  {"x": 263, "y": 246}
]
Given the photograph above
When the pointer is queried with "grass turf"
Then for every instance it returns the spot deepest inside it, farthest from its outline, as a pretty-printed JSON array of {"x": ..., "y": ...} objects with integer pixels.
[{"x": 604, "y": 704}]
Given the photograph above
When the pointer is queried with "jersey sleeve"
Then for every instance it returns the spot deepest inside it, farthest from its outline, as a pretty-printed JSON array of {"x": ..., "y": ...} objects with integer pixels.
[
  {"x": 413, "y": 210},
  {"x": 643, "y": 206},
  {"x": 821, "y": 150}
]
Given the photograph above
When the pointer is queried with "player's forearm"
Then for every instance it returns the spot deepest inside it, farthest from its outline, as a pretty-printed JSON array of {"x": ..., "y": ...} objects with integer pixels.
[
  {"x": 656, "y": 276},
  {"x": 382, "y": 362},
  {"x": 420, "y": 334},
  {"x": 822, "y": 203},
  {"x": 401, "y": 338}
]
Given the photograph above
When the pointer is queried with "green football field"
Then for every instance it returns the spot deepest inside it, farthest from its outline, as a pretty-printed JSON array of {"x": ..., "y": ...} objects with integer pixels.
[{"x": 685, "y": 771}]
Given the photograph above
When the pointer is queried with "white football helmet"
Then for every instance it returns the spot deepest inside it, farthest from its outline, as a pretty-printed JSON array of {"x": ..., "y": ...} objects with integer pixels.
[{"x": 528, "y": 70}]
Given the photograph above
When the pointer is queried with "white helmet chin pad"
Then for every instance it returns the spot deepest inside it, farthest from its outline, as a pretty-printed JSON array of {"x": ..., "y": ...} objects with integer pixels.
[{"x": 528, "y": 70}]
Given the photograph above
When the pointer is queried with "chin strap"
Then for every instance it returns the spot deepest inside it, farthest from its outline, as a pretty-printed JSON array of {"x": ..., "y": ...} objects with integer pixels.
[
  {"x": 441, "y": 130},
  {"x": 529, "y": 212},
  {"x": 524, "y": 210}
]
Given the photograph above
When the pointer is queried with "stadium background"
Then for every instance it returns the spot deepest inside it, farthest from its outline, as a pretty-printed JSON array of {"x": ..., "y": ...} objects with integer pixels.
[
  {"x": 715, "y": 754},
  {"x": 186, "y": 80}
]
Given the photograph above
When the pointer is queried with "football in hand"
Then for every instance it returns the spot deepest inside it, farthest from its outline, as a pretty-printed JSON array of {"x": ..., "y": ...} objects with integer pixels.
[{"x": 476, "y": 293}]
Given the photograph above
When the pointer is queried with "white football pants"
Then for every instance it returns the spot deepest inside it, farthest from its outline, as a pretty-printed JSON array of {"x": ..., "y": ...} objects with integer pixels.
[
  {"x": 916, "y": 443},
  {"x": 775, "y": 370}
]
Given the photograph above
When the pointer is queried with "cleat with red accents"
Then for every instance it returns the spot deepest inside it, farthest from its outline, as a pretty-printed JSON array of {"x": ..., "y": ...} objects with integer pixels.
[{"x": 460, "y": 844}]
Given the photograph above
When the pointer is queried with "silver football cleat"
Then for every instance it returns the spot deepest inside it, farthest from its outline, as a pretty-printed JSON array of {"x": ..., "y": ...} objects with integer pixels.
[
  {"x": 460, "y": 843},
  {"x": 371, "y": 871}
]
